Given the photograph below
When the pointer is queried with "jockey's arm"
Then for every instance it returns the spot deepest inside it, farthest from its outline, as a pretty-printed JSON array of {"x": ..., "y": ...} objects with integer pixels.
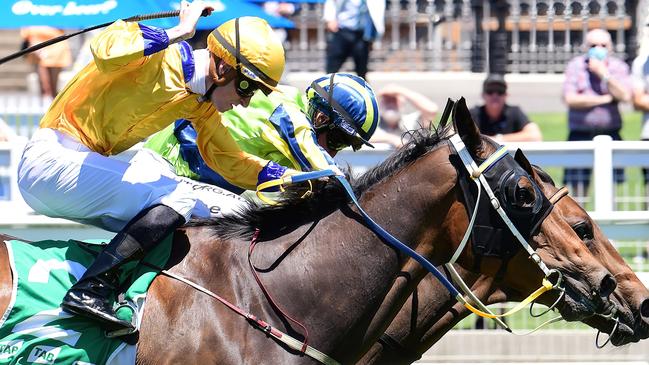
[
  {"x": 126, "y": 45},
  {"x": 223, "y": 155}
]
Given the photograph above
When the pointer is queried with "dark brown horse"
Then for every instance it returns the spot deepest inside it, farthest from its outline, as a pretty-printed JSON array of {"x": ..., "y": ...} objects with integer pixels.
[
  {"x": 433, "y": 312},
  {"x": 325, "y": 268}
]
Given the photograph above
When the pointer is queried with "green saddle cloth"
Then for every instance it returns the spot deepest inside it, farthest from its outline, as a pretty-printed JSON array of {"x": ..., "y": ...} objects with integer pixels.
[{"x": 35, "y": 330}]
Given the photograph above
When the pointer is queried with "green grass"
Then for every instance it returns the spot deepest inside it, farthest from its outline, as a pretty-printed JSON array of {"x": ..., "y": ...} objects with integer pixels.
[{"x": 554, "y": 126}]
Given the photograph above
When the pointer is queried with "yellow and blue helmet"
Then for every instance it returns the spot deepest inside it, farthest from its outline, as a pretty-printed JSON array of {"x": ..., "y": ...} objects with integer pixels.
[
  {"x": 350, "y": 104},
  {"x": 255, "y": 50}
]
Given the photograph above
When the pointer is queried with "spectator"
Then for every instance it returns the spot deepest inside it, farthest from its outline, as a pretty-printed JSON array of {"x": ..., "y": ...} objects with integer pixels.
[
  {"x": 352, "y": 26},
  {"x": 499, "y": 120},
  {"x": 640, "y": 76},
  {"x": 50, "y": 60},
  {"x": 394, "y": 123},
  {"x": 594, "y": 85}
]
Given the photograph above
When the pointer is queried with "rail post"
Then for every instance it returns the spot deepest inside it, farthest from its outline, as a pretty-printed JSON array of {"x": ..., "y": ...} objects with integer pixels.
[{"x": 603, "y": 174}]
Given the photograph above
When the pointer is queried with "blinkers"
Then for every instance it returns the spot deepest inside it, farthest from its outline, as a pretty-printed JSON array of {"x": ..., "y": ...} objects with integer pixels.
[{"x": 518, "y": 195}]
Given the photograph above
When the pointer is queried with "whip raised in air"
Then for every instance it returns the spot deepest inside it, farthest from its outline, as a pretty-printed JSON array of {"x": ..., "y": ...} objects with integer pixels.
[{"x": 135, "y": 18}]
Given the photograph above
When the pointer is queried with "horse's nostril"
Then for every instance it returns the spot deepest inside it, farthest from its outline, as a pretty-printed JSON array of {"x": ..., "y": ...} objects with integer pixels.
[
  {"x": 644, "y": 309},
  {"x": 607, "y": 286}
]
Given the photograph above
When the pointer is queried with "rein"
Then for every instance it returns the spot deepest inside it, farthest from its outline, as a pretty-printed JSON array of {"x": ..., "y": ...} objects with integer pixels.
[{"x": 256, "y": 322}]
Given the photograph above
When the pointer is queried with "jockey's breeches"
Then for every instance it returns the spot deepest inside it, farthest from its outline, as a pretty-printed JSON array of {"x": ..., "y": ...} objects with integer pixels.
[{"x": 60, "y": 177}]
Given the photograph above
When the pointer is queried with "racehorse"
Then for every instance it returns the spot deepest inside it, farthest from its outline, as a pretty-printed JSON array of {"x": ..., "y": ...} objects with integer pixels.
[
  {"x": 323, "y": 266},
  {"x": 431, "y": 312}
]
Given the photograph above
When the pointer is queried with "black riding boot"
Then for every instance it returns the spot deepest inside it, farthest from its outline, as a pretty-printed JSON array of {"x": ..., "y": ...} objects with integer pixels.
[{"x": 91, "y": 295}]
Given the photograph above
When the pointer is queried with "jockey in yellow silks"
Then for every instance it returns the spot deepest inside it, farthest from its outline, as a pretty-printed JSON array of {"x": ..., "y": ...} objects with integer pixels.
[
  {"x": 278, "y": 127},
  {"x": 142, "y": 79}
]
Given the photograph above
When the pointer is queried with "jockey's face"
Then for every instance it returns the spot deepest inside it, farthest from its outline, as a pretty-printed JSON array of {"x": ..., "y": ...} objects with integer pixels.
[
  {"x": 322, "y": 141},
  {"x": 225, "y": 96},
  {"x": 322, "y": 119}
]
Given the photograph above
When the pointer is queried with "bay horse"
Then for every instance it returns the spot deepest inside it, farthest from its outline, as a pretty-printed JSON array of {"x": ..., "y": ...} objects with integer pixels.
[
  {"x": 431, "y": 312},
  {"x": 323, "y": 266}
]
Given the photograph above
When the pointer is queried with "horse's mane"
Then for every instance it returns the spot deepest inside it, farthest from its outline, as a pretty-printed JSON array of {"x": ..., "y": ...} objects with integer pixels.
[{"x": 293, "y": 210}]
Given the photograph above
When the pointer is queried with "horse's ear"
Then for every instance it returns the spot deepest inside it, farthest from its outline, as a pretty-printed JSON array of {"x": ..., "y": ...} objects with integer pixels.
[
  {"x": 525, "y": 164},
  {"x": 448, "y": 108},
  {"x": 465, "y": 126}
]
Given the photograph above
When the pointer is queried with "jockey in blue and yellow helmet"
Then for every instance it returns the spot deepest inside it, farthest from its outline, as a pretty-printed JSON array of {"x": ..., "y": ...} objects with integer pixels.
[{"x": 351, "y": 109}]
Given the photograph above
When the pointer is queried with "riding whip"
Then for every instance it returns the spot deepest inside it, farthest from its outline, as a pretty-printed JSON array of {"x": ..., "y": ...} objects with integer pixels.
[{"x": 135, "y": 18}]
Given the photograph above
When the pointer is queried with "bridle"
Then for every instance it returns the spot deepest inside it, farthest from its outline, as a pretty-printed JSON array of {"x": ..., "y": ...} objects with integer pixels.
[{"x": 553, "y": 279}]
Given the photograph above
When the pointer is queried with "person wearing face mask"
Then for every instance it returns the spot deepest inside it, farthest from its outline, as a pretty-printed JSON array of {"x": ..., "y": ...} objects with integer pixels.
[
  {"x": 499, "y": 120},
  {"x": 394, "y": 121},
  {"x": 141, "y": 79},
  {"x": 594, "y": 85}
]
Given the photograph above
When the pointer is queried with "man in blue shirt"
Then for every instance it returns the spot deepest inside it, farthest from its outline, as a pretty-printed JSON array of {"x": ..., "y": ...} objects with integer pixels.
[{"x": 352, "y": 25}]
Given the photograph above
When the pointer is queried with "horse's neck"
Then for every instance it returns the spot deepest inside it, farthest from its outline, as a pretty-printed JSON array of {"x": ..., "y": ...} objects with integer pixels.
[
  {"x": 436, "y": 316},
  {"x": 338, "y": 272},
  {"x": 432, "y": 330}
]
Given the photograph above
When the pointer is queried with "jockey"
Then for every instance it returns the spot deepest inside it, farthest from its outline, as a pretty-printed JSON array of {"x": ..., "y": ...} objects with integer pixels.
[
  {"x": 142, "y": 79},
  {"x": 290, "y": 128}
]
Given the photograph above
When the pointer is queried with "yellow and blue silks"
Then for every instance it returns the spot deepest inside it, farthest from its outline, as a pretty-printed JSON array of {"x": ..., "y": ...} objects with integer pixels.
[{"x": 136, "y": 86}]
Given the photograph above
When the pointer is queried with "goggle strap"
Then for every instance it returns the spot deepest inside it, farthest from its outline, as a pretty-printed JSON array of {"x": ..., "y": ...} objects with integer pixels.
[{"x": 236, "y": 37}]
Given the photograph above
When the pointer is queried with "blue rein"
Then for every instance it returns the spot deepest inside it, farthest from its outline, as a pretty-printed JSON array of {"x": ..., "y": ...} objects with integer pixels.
[{"x": 378, "y": 230}]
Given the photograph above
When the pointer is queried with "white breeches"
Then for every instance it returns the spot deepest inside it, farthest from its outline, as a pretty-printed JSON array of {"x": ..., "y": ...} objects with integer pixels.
[{"x": 60, "y": 177}]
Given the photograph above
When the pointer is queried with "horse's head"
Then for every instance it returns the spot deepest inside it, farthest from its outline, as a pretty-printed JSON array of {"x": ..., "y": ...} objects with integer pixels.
[
  {"x": 495, "y": 250},
  {"x": 630, "y": 297}
]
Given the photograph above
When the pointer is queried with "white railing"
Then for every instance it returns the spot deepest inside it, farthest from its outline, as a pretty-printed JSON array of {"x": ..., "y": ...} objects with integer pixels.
[
  {"x": 23, "y": 112},
  {"x": 574, "y": 154},
  {"x": 622, "y": 225},
  {"x": 10, "y": 153}
]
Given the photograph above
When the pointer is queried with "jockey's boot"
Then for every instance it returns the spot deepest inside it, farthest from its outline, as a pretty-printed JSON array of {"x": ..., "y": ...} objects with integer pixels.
[{"x": 91, "y": 296}]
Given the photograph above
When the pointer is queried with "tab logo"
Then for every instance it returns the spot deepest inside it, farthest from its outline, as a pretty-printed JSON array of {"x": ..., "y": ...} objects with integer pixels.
[
  {"x": 44, "y": 354},
  {"x": 9, "y": 349}
]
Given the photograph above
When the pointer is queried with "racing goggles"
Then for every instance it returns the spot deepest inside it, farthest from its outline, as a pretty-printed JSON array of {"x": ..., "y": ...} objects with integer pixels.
[
  {"x": 337, "y": 139},
  {"x": 244, "y": 87}
]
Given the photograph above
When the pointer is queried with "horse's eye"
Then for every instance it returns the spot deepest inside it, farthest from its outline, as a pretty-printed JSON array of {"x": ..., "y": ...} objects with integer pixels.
[
  {"x": 524, "y": 197},
  {"x": 584, "y": 230}
]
